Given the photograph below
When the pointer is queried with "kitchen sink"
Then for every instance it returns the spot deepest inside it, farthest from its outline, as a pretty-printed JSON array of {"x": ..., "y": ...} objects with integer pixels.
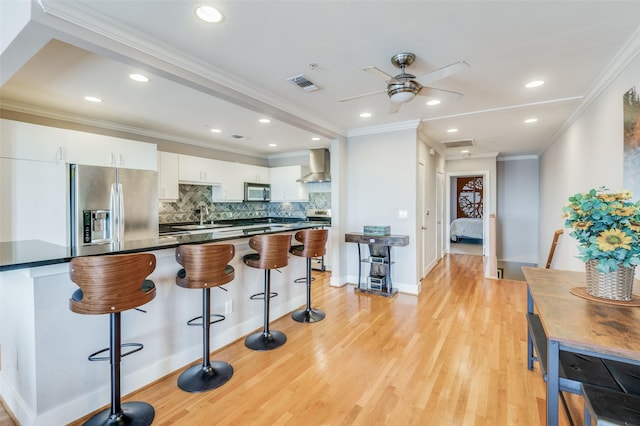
[{"x": 197, "y": 227}]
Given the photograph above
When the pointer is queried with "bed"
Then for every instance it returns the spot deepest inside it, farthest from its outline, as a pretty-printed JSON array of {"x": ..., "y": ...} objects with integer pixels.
[{"x": 466, "y": 228}]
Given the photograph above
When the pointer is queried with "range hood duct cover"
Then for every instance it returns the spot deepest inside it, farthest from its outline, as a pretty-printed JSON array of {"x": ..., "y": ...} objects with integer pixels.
[{"x": 319, "y": 166}]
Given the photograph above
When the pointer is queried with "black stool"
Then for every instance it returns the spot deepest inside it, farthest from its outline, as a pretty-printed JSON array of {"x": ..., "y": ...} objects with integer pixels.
[
  {"x": 272, "y": 253},
  {"x": 313, "y": 245},
  {"x": 110, "y": 285},
  {"x": 205, "y": 266}
]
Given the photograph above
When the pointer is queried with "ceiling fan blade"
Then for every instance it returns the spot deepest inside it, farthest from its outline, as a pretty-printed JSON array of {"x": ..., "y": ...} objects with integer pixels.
[
  {"x": 394, "y": 107},
  {"x": 443, "y": 72},
  {"x": 363, "y": 95},
  {"x": 380, "y": 74},
  {"x": 440, "y": 93}
]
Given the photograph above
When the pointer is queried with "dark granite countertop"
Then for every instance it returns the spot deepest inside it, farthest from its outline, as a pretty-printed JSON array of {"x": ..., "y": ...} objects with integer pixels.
[{"x": 33, "y": 253}]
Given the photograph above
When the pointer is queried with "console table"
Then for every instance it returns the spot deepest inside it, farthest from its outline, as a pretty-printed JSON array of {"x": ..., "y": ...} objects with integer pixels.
[
  {"x": 573, "y": 324},
  {"x": 379, "y": 259}
]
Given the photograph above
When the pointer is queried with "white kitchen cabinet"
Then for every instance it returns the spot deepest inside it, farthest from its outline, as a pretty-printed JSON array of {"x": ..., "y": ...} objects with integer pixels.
[
  {"x": 284, "y": 186},
  {"x": 167, "y": 176},
  {"x": 199, "y": 171},
  {"x": 106, "y": 151},
  {"x": 256, "y": 174},
  {"x": 34, "y": 201},
  {"x": 26, "y": 141},
  {"x": 233, "y": 177}
]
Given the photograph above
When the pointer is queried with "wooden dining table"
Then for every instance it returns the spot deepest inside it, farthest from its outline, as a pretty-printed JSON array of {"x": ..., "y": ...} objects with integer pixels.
[{"x": 577, "y": 324}]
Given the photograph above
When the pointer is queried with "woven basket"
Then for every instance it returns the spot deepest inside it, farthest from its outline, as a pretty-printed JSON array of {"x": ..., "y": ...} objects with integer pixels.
[{"x": 615, "y": 285}]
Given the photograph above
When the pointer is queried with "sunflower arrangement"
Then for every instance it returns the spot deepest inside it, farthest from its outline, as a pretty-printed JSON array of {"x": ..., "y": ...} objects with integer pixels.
[{"x": 607, "y": 227}]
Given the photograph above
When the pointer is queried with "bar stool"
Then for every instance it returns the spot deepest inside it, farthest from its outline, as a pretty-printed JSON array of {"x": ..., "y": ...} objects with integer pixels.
[
  {"x": 110, "y": 285},
  {"x": 205, "y": 266},
  {"x": 313, "y": 245},
  {"x": 272, "y": 253}
]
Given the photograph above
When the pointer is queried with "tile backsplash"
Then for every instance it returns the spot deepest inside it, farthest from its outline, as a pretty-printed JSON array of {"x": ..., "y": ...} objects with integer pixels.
[{"x": 191, "y": 196}]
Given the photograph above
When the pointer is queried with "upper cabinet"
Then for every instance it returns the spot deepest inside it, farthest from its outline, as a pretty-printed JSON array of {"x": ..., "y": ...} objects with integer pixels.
[
  {"x": 26, "y": 141},
  {"x": 284, "y": 186},
  {"x": 167, "y": 176},
  {"x": 234, "y": 175},
  {"x": 99, "y": 150},
  {"x": 199, "y": 171}
]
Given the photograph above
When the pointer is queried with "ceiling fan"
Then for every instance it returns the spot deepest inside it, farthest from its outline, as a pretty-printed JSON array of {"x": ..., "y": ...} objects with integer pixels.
[{"x": 404, "y": 86}]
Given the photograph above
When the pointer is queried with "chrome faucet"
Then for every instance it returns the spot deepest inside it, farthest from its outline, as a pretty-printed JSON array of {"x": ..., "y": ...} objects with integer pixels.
[{"x": 203, "y": 208}]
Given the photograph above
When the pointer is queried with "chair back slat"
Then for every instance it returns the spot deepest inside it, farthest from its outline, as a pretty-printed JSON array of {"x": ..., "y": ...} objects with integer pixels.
[
  {"x": 205, "y": 265},
  {"x": 314, "y": 242},
  {"x": 112, "y": 283},
  {"x": 273, "y": 250}
]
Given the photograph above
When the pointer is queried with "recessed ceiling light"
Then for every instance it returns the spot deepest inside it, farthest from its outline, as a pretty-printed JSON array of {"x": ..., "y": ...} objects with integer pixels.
[
  {"x": 264, "y": 120},
  {"x": 273, "y": 144},
  {"x": 315, "y": 138},
  {"x": 534, "y": 83},
  {"x": 365, "y": 115},
  {"x": 464, "y": 151},
  {"x": 433, "y": 102},
  {"x": 216, "y": 131},
  {"x": 139, "y": 77},
  {"x": 209, "y": 14},
  {"x": 452, "y": 130},
  {"x": 530, "y": 120},
  {"x": 92, "y": 99}
]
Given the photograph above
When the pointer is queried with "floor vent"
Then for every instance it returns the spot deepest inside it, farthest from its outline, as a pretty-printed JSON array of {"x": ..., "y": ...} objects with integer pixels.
[{"x": 303, "y": 83}]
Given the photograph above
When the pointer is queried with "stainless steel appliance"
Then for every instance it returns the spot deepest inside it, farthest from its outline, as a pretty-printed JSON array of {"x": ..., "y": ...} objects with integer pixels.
[
  {"x": 322, "y": 219},
  {"x": 111, "y": 205},
  {"x": 257, "y": 191}
]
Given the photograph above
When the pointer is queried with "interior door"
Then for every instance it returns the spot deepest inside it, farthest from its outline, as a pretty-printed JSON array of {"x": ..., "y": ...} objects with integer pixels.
[{"x": 440, "y": 196}]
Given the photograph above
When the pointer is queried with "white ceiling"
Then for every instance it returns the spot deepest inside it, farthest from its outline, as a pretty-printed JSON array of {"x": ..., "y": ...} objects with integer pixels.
[{"x": 228, "y": 75}]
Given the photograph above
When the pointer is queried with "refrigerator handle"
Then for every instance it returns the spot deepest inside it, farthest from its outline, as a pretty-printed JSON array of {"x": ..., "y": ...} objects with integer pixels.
[
  {"x": 113, "y": 217},
  {"x": 121, "y": 213}
]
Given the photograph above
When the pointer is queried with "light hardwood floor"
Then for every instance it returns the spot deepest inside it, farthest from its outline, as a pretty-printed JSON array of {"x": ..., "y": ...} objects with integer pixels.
[{"x": 455, "y": 355}]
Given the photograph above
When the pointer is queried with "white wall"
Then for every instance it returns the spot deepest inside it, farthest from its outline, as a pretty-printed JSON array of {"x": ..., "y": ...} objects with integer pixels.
[
  {"x": 587, "y": 155},
  {"x": 382, "y": 184},
  {"x": 517, "y": 204}
]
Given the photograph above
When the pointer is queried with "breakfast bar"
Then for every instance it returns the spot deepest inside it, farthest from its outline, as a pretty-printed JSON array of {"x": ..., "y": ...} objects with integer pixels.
[{"x": 45, "y": 345}]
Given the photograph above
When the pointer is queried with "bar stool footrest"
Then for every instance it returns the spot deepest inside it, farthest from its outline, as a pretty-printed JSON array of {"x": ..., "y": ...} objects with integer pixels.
[
  {"x": 131, "y": 414},
  {"x": 217, "y": 317},
  {"x": 260, "y": 296},
  {"x": 137, "y": 347},
  {"x": 303, "y": 280}
]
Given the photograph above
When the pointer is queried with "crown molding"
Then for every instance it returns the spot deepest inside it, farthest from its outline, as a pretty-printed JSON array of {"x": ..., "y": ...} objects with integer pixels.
[
  {"x": 518, "y": 157},
  {"x": 384, "y": 128}
]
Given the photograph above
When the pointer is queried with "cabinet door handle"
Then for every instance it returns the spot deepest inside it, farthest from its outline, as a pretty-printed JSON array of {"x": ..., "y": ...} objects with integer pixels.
[{"x": 59, "y": 155}]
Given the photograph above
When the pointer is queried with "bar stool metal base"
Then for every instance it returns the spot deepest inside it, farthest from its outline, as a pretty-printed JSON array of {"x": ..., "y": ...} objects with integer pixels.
[
  {"x": 201, "y": 379},
  {"x": 131, "y": 414},
  {"x": 261, "y": 341},
  {"x": 308, "y": 315}
]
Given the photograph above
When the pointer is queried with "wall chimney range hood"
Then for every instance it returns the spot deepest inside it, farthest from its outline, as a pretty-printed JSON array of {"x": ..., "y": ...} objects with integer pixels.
[{"x": 319, "y": 166}]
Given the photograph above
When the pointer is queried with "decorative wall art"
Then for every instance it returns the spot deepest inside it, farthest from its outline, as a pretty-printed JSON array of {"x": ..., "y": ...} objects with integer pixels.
[
  {"x": 631, "y": 161},
  {"x": 470, "y": 197}
]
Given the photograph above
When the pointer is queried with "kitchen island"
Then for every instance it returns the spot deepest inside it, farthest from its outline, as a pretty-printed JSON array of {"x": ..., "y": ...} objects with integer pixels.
[{"x": 46, "y": 377}]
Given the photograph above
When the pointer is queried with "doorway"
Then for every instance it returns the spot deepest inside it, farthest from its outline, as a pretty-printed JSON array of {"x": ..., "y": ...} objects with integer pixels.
[{"x": 466, "y": 223}]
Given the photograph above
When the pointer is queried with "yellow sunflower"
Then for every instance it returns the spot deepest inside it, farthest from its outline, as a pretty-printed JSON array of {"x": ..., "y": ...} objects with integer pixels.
[
  {"x": 634, "y": 226},
  {"x": 612, "y": 239},
  {"x": 625, "y": 211},
  {"x": 583, "y": 225},
  {"x": 625, "y": 194},
  {"x": 607, "y": 197}
]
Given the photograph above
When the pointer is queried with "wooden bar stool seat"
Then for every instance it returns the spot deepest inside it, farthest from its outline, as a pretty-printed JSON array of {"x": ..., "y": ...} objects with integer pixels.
[
  {"x": 272, "y": 253},
  {"x": 110, "y": 285},
  {"x": 205, "y": 266},
  {"x": 313, "y": 245}
]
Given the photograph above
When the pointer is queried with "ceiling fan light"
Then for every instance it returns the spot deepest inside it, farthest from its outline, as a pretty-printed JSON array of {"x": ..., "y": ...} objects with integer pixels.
[{"x": 402, "y": 96}]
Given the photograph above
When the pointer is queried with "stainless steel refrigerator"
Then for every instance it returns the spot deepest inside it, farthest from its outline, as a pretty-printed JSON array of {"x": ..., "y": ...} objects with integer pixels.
[{"x": 112, "y": 205}]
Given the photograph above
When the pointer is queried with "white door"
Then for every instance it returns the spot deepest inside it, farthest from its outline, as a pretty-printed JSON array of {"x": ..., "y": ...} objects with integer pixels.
[{"x": 440, "y": 234}]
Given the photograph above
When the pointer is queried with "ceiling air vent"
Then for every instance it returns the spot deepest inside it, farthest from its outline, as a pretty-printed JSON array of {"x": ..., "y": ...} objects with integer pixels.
[
  {"x": 460, "y": 143},
  {"x": 303, "y": 83}
]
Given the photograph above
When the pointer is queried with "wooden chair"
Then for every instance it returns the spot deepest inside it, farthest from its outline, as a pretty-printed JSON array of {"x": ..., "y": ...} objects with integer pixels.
[
  {"x": 205, "y": 266},
  {"x": 272, "y": 253},
  {"x": 314, "y": 243},
  {"x": 110, "y": 285},
  {"x": 552, "y": 250}
]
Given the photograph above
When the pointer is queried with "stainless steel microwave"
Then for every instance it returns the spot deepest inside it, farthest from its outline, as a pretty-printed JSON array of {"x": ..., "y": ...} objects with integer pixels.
[{"x": 257, "y": 191}]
